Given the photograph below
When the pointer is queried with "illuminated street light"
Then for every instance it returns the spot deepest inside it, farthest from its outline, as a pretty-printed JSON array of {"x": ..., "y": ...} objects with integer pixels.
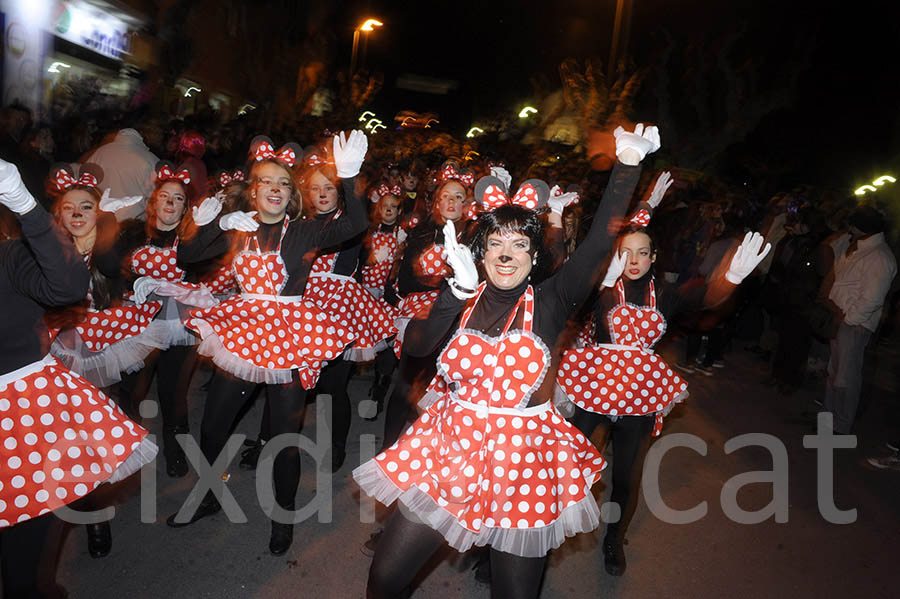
[
  {"x": 375, "y": 128},
  {"x": 364, "y": 115},
  {"x": 187, "y": 94},
  {"x": 370, "y": 25},
  {"x": 861, "y": 191},
  {"x": 54, "y": 68},
  {"x": 527, "y": 111},
  {"x": 428, "y": 124},
  {"x": 883, "y": 179},
  {"x": 367, "y": 26},
  {"x": 474, "y": 131},
  {"x": 470, "y": 155},
  {"x": 245, "y": 109},
  {"x": 373, "y": 122}
]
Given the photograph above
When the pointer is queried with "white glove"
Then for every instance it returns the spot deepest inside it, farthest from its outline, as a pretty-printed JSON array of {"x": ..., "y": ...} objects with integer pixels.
[
  {"x": 401, "y": 236},
  {"x": 349, "y": 153},
  {"x": 464, "y": 282},
  {"x": 663, "y": 183},
  {"x": 239, "y": 221},
  {"x": 108, "y": 204},
  {"x": 143, "y": 287},
  {"x": 502, "y": 174},
  {"x": 559, "y": 203},
  {"x": 13, "y": 193},
  {"x": 746, "y": 258},
  {"x": 382, "y": 254},
  {"x": 207, "y": 211},
  {"x": 616, "y": 268},
  {"x": 643, "y": 141}
]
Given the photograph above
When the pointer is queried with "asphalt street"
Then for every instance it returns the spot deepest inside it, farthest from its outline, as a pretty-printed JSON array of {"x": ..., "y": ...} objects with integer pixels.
[{"x": 805, "y": 556}]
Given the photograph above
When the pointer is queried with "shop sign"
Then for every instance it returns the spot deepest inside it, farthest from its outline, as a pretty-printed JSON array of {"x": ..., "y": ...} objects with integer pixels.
[{"x": 88, "y": 26}]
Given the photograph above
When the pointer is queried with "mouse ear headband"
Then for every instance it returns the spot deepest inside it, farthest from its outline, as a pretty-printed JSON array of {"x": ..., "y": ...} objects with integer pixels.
[{"x": 491, "y": 193}]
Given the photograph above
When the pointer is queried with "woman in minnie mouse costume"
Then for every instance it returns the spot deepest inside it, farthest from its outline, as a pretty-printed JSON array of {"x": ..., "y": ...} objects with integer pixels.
[
  {"x": 106, "y": 337},
  {"x": 61, "y": 436},
  {"x": 270, "y": 333},
  {"x": 616, "y": 381},
  {"x": 491, "y": 462},
  {"x": 148, "y": 250}
]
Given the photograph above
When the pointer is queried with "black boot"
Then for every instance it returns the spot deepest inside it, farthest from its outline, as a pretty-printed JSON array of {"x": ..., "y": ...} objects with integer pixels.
[
  {"x": 99, "y": 538},
  {"x": 379, "y": 391},
  {"x": 614, "y": 553},
  {"x": 282, "y": 536},
  {"x": 209, "y": 506},
  {"x": 176, "y": 463},
  {"x": 250, "y": 456}
]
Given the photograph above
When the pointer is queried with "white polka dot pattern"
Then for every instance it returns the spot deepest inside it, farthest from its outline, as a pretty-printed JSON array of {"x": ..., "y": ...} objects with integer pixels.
[
  {"x": 375, "y": 276},
  {"x": 159, "y": 263},
  {"x": 415, "y": 305},
  {"x": 100, "y": 329}
]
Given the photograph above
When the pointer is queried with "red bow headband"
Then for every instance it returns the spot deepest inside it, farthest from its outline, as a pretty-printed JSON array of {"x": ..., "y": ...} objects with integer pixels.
[
  {"x": 383, "y": 190},
  {"x": 226, "y": 178},
  {"x": 315, "y": 160},
  {"x": 63, "y": 180},
  {"x": 165, "y": 173},
  {"x": 449, "y": 172},
  {"x": 495, "y": 196},
  {"x": 641, "y": 218},
  {"x": 265, "y": 151}
]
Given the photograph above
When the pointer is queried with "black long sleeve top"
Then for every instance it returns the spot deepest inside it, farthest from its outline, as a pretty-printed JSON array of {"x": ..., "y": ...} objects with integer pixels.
[
  {"x": 556, "y": 298},
  {"x": 302, "y": 241},
  {"x": 40, "y": 270},
  {"x": 347, "y": 258}
]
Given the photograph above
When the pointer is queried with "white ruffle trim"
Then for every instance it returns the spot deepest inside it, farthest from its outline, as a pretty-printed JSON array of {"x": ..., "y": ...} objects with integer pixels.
[
  {"x": 144, "y": 453},
  {"x": 563, "y": 404},
  {"x": 164, "y": 333},
  {"x": 582, "y": 516},
  {"x": 366, "y": 354},
  {"x": 401, "y": 322},
  {"x": 105, "y": 367},
  {"x": 212, "y": 346}
]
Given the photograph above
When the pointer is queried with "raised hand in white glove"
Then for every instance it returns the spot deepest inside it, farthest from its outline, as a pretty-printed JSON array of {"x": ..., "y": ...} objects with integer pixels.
[
  {"x": 663, "y": 183},
  {"x": 207, "y": 211},
  {"x": 643, "y": 140},
  {"x": 143, "y": 287},
  {"x": 502, "y": 174},
  {"x": 239, "y": 221},
  {"x": 349, "y": 153},
  {"x": 108, "y": 204},
  {"x": 382, "y": 254},
  {"x": 13, "y": 193},
  {"x": 401, "y": 236},
  {"x": 464, "y": 281},
  {"x": 616, "y": 268},
  {"x": 559, "y": 203},
  {"x": 746, "y": 258}
]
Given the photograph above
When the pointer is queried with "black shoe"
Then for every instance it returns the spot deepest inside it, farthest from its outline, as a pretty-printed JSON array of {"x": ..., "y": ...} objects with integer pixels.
[
  {"x": 482, "y": 567},
  {"x": 338, "y": 455},
  {"x": 177, "y": 466},
  {"x": 99, "y": 537},
  {"x": 282, "y": 536},
  {"x": 613, "y": 556},
  {"x": 209, "y": 506},
  {"x": 250, "y": 456},
  {"x": 379, "y": 391},
  {"x": 368, "y": 548}
]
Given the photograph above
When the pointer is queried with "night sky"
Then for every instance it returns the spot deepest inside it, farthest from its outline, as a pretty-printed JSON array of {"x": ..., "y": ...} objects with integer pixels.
[{"x": 842, "y": 124}]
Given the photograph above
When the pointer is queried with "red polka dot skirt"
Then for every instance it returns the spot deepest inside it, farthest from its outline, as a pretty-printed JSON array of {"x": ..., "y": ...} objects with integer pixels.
[
  {"x": 415, "y": 305},
  {"x": 480, "y": 467},
  {"x": 61, "y": 438}
]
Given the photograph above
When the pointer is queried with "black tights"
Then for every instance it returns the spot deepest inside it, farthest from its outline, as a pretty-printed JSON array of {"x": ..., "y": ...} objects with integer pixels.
[
  {"x": 405, "y": 546},
  {"x": 413, "y": 378},
  {"x": 286, "y": 405},
  {"x": 333, "y": 381},
  {"x": 630, "y": 439},
  {"x": 173, "y": 369},
  {"x": 28, "y": 555}
]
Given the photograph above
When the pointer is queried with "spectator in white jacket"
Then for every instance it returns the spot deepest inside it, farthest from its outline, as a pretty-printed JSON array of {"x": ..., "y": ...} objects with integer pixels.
[
  {"x": 129, "y": 169},
  {"x": 864, "y": 267}
]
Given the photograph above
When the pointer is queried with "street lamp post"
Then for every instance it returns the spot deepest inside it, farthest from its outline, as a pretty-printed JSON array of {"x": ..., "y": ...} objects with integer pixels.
[{"x": 367, "y": 26}]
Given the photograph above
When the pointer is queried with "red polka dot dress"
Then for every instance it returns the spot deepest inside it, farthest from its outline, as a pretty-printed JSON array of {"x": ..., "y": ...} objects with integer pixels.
[
  {"x": 261, "y": 336},
  {"x": 375, "y": 276},
  {"x": 222, "y": 282},
  {"x": 177, "y": 295},
  {"x": 625, "y": 377},
  {"x": 481, "y": 467},
  {"x": 105, "y": 343},
  {"x": 369, "y": 319},
  {"x": 431, "y": 269},
  {"x": 61, "y": 438}
]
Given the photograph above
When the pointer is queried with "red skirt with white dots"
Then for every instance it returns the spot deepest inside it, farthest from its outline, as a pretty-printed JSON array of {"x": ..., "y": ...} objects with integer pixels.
[
  {"x": 61, "y": 438},
  {"x": 415, "y": 305},
  {"x": 371, "y": 320},
  {"x": 518, "y": 480},
  {"x": 108, "y": 342},
  {"x": 263, "y": 338}
]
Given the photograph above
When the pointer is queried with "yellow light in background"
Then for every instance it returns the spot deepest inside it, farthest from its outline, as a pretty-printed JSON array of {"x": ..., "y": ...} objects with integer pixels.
[
  {"x": 884, "y": 179},
  {"x": 375, "y": 128},
  {"x": 474, "y": 131},
  {"x": 470, "y": 155},
  {"x": 428, "y": 124},
  {"x": 372, "y": 123},
  {"x": 527, "y": 111},
  {"x": 187, "y": 94},
  {"x": 364, "y": 115},
  {"x": 54, "y": 68},
  {"x": 861, "y": 191},
  {"x": 370, "y": 25}
]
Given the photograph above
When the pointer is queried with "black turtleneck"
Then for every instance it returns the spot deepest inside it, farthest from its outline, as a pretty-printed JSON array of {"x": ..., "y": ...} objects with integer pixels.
[
  {"x": 556, "y": 299},
  {"x": 113, "y": 258},
  {"x": 303, "y": 241},
  {"x": 347, "y": 252}
]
